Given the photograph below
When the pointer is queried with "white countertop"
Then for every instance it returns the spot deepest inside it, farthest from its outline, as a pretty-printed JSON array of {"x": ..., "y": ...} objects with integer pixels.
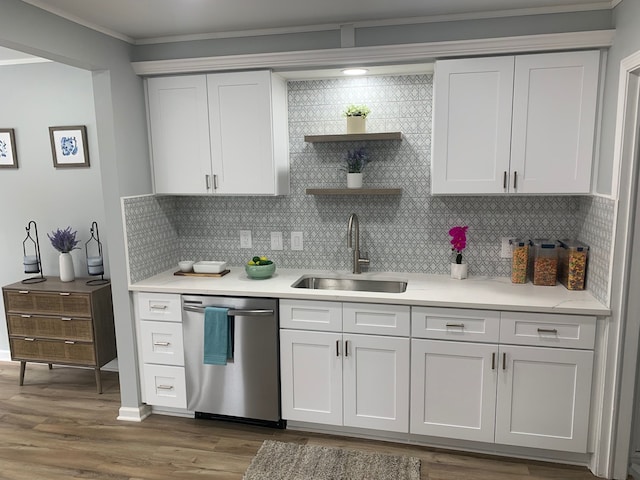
[{"x": 488, "y": 293}]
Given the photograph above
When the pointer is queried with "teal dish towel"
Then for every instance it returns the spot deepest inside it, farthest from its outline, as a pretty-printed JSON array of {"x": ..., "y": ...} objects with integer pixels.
[{"x": 218, "y": 336}]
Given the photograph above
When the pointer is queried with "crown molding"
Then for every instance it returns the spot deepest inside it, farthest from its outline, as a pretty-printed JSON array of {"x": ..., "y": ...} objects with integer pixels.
[{"x": 407, "y": 53}]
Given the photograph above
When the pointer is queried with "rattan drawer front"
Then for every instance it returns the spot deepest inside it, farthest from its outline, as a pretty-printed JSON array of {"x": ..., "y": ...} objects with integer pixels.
[
  {"x": 61, "y": 328},
  {"x": 49, "y": 303},
  {"x": 51, "y": 351}
]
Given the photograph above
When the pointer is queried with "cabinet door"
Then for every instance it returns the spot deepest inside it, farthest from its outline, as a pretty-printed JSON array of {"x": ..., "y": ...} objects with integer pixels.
[
  {"x": 179, "y": 130},
  {"x": 241, "y": 132},
  {"x": 376, "y": 382},
  {"x": 471, "y": 125},
  {"x": 543, "y": 398},
  {"x": 311, "y": 376},
  {"x": 453, "y": 389},
  {"x": 554, "y": 114}
]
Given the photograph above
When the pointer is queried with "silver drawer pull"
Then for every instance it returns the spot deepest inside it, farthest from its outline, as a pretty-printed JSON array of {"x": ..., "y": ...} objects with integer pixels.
[
  {"x": 165, "y": 387},
  {"x": 548, "y": 330},
  {"x": 69, "y": 342},
  {"x": 25, "y": 316},
  {"x": 455, "y": 325},
  {"x": 64, "y": 294},
  {"x": 66, "y": 319},
  {"x": 29, "y": 339},
  {"x": 232, "y": 312},
  {"x": 23, "y": 292},
  {"x": 161, "y": 344},
  {"x": 158, "y": 307}
]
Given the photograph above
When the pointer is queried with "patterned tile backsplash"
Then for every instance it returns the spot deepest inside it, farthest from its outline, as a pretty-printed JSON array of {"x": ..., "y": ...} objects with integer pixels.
[{"x": 407, "y": 232}]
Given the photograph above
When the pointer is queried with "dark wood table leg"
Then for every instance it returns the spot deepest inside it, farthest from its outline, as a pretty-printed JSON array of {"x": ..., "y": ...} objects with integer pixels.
[
  {"x": 22, "y": 369},
  {"x": 98, "y": 380},
  {"x": 50, "y": 366}
]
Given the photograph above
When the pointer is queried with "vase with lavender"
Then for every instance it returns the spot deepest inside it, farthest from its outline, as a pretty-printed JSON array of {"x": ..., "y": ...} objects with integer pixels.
[
  {"x": 355, "y": 162},
  {"x": 64, "y": 241}
]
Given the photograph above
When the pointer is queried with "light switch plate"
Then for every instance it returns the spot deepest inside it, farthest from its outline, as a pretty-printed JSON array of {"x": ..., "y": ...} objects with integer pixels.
[
  {"x": 276, "y": 241},
  {"x": 245, "y": 238},
  {"x": 505, "y": 250},
  {"x": 296, "y": 241}
]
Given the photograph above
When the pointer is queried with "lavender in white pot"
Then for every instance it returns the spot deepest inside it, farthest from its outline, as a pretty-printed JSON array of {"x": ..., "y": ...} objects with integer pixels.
[{"x": 64, "y": 241}]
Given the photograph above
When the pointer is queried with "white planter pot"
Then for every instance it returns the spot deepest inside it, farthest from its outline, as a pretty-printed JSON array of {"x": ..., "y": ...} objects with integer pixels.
[
  {"x": 459, "y": 271},
  {"x": 66, "y": 268},
  {"x": 354, "y": 180},
  {"x": 356, "y": 124}
]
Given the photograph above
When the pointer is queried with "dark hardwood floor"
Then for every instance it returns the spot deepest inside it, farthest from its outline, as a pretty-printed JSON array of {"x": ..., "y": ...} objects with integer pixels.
[{"x": 57, "y": 427}]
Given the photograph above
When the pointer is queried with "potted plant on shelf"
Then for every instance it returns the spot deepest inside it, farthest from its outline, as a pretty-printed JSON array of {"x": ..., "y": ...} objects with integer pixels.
[
  {"x": 459, "y": 243},
  {"x": 356, "y": 118},
  {"x": 355, "y": 162},
  {"x": 64, "y": 241}
]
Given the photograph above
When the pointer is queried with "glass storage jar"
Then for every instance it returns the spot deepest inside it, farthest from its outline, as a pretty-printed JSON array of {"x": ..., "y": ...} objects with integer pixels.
[
  {"x": 545, "y": 262},
  {"x": 519, "y": 260},
  {"x": 572, "y": 267}
]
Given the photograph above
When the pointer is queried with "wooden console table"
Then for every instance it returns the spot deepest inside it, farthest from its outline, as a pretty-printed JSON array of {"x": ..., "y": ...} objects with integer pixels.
[{"x": 67, "y": 323}]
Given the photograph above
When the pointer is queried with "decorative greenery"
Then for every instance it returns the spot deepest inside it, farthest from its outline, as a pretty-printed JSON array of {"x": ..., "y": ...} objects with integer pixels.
[
  {"x": 356, "y": 160},
  {"x": 63, "y": 240},
  {"x": 459, "y": 241},
  {"x": 357, "y": 111}
]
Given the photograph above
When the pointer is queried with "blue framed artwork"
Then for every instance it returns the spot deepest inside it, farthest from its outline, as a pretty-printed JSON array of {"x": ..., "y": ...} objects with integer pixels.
[
  {"x": 8, "y": 155},
  {"x": 69, "y": 146}
]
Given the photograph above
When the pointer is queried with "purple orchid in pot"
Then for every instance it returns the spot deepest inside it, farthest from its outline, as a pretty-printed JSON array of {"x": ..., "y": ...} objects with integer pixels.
[
  {"x": 64, "y": 241},
  {"x": 459, "y": 243}
]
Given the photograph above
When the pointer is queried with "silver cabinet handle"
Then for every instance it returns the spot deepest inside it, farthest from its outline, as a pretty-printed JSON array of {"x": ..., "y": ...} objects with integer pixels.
[
  {"x": 23, "y": 292},
  {"x": 504, "y": 180},
  {"x": 64, "y": 294},
  {"x": 29, "y": 339},
  {"x": 158, "y": 307},
  {"x": 455, "y": 325},
  {"x": 162, "y": 344},
  {"x": 25, "y": 316},
  {"x": 66, "y": 319},
  {"x": 69, "y": 342},
  {"x": 515, "y": 180},
  {"x": 548, "y": 330},
  {"x": 207, "y": 180},
  {"x": 215, "y": 182},
  {"x": 165, "y": 387},
  {"x": 493, "y": 361}
]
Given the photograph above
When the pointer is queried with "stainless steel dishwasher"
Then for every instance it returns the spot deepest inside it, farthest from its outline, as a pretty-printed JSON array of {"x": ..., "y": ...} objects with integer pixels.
[{"x": 247, "y": 389}]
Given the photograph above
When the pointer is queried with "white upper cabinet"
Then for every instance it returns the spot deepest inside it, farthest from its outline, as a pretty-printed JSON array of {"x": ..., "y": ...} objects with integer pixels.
[
  {"x": 523, "y": 124},
  {"x": 219, "y": 133}
]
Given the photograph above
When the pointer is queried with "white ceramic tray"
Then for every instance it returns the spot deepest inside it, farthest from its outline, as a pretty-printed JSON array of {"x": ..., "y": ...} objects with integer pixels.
[{"x": 209, "y": 266}]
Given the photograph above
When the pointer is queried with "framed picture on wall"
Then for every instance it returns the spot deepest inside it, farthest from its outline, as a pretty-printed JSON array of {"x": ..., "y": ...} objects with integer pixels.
[
  {"x": 69, "y": 146},
  {"x": 8, "y": 155}
]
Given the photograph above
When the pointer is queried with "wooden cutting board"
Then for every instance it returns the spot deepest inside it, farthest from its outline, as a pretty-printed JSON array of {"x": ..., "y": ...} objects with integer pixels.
[{"x": 194, "y": 274}]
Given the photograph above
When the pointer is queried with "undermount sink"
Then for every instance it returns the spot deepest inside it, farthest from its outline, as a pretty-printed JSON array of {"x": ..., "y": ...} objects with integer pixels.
[{"x": 353, "y": 284}]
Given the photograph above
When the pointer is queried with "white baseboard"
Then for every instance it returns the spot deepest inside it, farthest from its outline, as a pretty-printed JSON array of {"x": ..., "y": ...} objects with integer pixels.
[{"x": 132, "y": 414}]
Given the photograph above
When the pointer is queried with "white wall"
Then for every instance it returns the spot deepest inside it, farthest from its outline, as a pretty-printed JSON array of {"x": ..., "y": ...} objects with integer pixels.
[{"x": 44, "y": 95}]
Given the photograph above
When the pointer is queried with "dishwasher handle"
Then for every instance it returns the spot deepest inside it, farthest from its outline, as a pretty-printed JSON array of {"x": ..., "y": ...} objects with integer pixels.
[{"x": 233, "y": 313}]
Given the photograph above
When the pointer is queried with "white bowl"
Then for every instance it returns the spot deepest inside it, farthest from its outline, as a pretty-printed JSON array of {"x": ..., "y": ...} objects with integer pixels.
[
  {"x": 207, "y": 266},
  {"x": 185, "y": 265}
]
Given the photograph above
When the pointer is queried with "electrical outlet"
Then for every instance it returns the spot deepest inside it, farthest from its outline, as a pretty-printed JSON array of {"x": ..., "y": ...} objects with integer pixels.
[
  {"x": 296, "y": 241},
  {"x": 276, "y": 241},
  {"x": 505, "y": 251},
  {"x": 245, "y": 238}
]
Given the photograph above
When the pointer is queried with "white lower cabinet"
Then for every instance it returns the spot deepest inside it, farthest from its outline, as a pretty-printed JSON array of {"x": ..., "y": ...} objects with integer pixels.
[
  {"x": 529, "y": 396},
  {"x": 160, "y": 349},
  {"x": 345, "y": 379}
]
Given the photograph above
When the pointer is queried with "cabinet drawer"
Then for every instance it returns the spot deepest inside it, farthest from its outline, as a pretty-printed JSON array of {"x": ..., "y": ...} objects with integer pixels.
[
  {"x": 376, "y": 319},
  {"x": 51, "y": 351},
  {"x": 62, "y": 303},
  {"x": 455, "y": 324},
  {"x": 61, "y": 328},
  {"x": 159, "y": 306},
  {"x": 549, "y": 330},
  {"x": 311, "y": 315},
  {"x": 162, "y": 343},
  {"x": 165, "y": 386}
]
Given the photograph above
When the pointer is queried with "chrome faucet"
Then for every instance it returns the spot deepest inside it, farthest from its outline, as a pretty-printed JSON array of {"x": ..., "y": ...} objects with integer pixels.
[{"x": 357, "y": 260}]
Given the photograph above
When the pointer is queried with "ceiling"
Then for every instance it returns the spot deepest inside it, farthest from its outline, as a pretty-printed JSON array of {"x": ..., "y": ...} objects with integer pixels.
[{"x": 150, "y": 21}]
